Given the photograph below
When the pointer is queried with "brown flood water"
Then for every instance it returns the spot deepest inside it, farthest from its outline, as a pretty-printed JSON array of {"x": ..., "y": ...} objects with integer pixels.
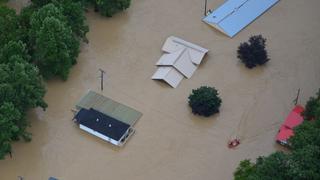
[{"x": 170, "y": 142}]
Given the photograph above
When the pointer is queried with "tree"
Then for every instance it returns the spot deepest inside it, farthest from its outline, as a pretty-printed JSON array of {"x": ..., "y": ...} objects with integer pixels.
[
  {"x": 14, "y": 48},
  {"x": 21, "y": 88},
  {"x": 305, "y": 134},
  {"x": 38, "y": 17},
  {"x": 9, "y": 28},
  {"x": 40, "y": 3},
  {"x": 244, "y": 170},
  {"x": 205, "y": 101},
  {"x": 312, "y": 110},
  {"x": 253, "y": 53},
  {"x": 8, "y": 129},
  {"x": 55, "y": 46},
  {"x": 56, "y": 49},
  {"x": 272, "y": 167},
  {"x": 110, "y": 7},
  {"x": 74, "y": 13},
  {"x": 304, "y": 163}
]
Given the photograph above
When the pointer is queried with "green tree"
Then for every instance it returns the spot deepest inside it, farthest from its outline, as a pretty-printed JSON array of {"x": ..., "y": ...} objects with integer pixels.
[
  {"x": 8, "y": 129},
  {"x": 110, "y": 7},
  {"x": 21, "y": 84},
  {"x": 9, "y": 26},
  {"x": 205, "y": 101},
  {"x": 14, "y": 48},
  {"x": 74, "y": 13},
  {"x": 305, "y": 134},
  {"x": 273, "y": 167},
  {"x": 312, "y": 108},
  {"x": 244, "y": 170},
  {"x": 253, "y": 53},
  {"x": 55, "y": 45},
  {"x": 38, "y": 17},
  {"x": 304, "y": 163},
  {"x": 56, "y": 48}
]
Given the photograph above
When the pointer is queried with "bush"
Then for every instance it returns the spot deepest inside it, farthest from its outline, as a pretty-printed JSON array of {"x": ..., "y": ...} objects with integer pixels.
[
  {"x": 205, "y": 101},
  {"x": 253, "y": 53}
]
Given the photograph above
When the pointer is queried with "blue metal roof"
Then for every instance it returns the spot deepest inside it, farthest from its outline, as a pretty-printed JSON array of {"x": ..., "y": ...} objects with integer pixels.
[{"x": 234, "y": 15}]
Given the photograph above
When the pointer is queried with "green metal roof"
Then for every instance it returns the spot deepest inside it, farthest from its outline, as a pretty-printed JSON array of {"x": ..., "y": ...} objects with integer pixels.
[{"x": 109, "y": 107}]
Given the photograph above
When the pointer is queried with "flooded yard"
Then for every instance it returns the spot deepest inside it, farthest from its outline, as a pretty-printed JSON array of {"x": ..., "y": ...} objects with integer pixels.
[{"x": 170, "y": 142}]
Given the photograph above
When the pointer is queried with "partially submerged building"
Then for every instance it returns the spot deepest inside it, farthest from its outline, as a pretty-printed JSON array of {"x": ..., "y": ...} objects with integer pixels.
[
  {"x": 234, "y": 15},
  {"x": 106, "y": 118},
  {"x": 181, "y": 59}
]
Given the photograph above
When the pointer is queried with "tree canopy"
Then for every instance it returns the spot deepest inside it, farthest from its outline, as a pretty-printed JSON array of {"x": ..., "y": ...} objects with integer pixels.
[
  {"x": 9, "y": 29},
  {"x": 253, "y": 53},
  {"x": 56, "y": 48},
  {"x": 21, "y": 88},
  {"x": 110, "y": 7},
  {"x": 205, "y": 101}
]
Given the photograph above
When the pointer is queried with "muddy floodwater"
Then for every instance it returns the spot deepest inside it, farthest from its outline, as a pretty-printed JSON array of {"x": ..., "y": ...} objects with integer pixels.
[{"x": 170, "y": 142}]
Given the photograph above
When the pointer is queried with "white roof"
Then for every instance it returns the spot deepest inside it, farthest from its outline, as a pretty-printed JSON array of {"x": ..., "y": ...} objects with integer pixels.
[
  {"x": 234, "y": 15},
  {"x": 180, "y": 60},
  {"x": 168, "y": 59},
  {"x": 168, "y": 74},
  {"x": 174, "y": 44}
]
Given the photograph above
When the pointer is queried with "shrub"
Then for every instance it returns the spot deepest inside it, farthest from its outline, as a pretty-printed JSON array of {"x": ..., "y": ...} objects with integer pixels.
[
  {"x": 205, "y": 101},
  {"x": 253, "y": 53}
]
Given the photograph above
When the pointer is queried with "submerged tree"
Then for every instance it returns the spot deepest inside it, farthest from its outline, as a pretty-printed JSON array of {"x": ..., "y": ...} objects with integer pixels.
[
  {"x": 111, "y": 7},
  {"x": 56, "y": 49},
  {"x": 312, "y": 110},
  {"x": 8, "y": 128},
  {"x": 9, "y": 26},
  {"x": 205, "y": 101},
  {"x": 253, "y": 53},
  {"x": 74, "y": 13}
]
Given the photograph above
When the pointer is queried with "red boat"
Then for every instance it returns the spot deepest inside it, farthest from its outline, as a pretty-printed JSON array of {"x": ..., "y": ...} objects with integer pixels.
[{"x": 286, "y": 130}]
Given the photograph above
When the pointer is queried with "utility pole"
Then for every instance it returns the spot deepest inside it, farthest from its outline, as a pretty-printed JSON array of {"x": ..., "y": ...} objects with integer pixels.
[
  {"x": 205, "y": 7},
  {"x": 297, "y": 98},
  {"x": 101, "y": 78}
]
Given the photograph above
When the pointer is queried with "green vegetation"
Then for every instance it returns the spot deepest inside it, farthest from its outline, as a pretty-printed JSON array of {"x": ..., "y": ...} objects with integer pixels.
[
  {"x": 253, "y": 53},
  {"x": 43, "y": 41},
  {"x": 111, "y": 7},
  {"x": 55, "y": 46},
  {"x": 104, "y": 7},
  {"x": 9, "y": 29},
  {"x": 205, "y": 101},
  {"x": 21, "y": 88},
  {"x": 303, "y": 161}
]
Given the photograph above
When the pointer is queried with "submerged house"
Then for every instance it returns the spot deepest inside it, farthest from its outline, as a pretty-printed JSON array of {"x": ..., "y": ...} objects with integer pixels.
[
  {"x": 180, "y": 60},
  {"x": 105, "y": 118},
  {"x": 234, "y": 15}
]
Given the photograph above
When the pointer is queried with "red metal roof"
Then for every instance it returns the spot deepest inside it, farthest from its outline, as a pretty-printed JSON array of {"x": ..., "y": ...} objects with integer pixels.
[
  {"x": 284, "y": 133},
  {"x": 293, "y": 119}
]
